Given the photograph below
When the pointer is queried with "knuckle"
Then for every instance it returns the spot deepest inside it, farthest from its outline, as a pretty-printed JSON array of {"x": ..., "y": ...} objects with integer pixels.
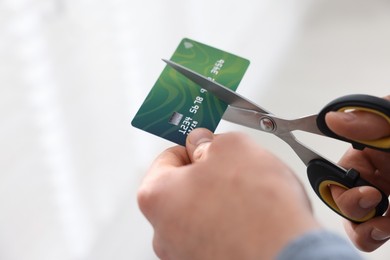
[
  {"x": 234, "y": 141},
  {"x": 158, "y": 248},
  {"x": 146, "y": 198},
  {"x": 367, "y": 246}
]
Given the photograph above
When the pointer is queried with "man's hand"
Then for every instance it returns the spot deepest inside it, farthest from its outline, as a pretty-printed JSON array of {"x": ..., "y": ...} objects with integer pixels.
[
  {"x": 222, "y": 197},
  {"x": 373, "y": 166}
]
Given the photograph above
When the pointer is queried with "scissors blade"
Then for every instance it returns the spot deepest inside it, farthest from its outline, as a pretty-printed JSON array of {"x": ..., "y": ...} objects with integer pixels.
[{"x": 223, "y": 93}]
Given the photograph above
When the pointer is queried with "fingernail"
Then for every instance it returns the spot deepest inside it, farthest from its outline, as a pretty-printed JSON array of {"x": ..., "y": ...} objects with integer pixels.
[
  {"x": 346, "y": 116},
  {"x": 199, "y": 136},
  {"x": 379, "y": 235},
  {"x": 200, "y": 150},
  {"x": 365, "y": 202}
]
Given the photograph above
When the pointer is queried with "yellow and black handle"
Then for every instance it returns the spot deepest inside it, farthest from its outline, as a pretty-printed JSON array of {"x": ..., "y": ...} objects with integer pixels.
[
  {"x": 358, "y": 102},
  {"x": 323, "y": 173}
]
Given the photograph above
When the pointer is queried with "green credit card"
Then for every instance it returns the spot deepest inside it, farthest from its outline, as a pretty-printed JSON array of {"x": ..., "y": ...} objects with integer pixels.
[{"x": 176, "y": 105}]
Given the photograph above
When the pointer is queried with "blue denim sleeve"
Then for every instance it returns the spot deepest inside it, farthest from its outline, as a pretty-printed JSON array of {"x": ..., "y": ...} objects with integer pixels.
[{"x": 319, "y": 245}]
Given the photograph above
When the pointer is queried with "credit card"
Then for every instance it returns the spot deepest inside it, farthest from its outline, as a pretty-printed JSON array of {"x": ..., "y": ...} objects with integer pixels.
[{"x": 175, "y": 105}]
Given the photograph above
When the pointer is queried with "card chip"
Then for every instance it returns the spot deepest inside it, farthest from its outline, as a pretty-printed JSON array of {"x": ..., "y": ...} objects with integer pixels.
[{"x": 175, "y": 118}]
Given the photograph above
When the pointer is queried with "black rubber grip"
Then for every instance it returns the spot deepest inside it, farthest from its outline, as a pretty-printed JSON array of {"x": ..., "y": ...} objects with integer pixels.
[
  {"x": 320, "y": 172},
  {"x": 357, "y": 101}
]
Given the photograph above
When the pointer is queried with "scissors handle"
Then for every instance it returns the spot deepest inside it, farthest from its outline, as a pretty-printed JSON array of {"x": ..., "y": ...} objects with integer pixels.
[
  {"x": 322, "y": 174},
  {"x": 365, "y": 103}
]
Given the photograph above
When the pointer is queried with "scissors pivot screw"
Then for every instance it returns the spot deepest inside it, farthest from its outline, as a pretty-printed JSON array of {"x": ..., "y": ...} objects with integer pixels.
[{"x": 266, "y": 124}]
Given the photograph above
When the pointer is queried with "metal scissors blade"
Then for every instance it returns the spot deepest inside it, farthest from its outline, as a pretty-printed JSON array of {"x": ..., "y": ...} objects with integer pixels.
[
  {"x": 243, "y": 111},
  {"x": 223, "y": 93},
  {"x": 321, "y": 172}
]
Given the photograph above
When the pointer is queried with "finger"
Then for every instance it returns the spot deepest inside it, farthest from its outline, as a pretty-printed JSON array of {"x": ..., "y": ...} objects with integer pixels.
[
  {"x": 157, "y": 179},
  {"x": 358, "y": 125},
  {"x": 158, "y": 247},
  {"x": 369, "y": 235},
  {"x": 198, "y": 142},
  {"x": 372, "y": 165},
  {"x": 175, "y": 156},
  {"x": 357, "y": 202}
]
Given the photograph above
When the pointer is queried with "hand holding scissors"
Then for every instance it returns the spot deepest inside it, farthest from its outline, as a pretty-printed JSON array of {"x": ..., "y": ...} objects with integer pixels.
[{"x": 321, "y": 172}]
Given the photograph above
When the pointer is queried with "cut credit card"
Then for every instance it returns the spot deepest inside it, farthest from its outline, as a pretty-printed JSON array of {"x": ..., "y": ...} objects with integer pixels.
[{"x": 175, "y": 105}]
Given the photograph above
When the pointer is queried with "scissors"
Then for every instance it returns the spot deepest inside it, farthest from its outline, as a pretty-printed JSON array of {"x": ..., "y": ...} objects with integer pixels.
[{"x": 321, "y": 172}]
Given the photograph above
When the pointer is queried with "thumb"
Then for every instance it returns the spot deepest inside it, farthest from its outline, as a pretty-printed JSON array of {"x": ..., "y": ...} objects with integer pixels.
[
  {"x": 198, "y": 142},
  {"x": 358, "y": 125}
]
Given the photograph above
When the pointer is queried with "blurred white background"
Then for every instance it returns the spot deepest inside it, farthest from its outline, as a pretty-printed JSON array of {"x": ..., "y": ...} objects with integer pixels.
[{"x": 73, "y": 73}]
